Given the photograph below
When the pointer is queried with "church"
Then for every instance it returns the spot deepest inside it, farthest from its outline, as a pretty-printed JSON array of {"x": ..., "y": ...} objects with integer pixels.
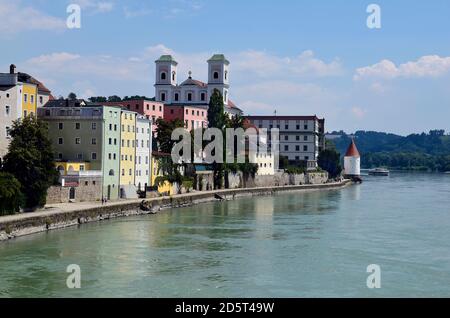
[{"x": 193, "y": 93}]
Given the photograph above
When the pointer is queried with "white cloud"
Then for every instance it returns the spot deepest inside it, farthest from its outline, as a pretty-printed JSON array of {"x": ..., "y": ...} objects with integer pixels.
[
  {"x": 268, "y": 65},
  {"x": 95, "y": 6},
  {"x": 16, "y": 17},
  {"x": 426, "y": 66},
  {"x": 358, "y": 112}
]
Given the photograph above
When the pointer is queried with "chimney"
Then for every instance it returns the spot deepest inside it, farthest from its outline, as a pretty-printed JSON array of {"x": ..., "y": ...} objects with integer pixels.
[{"x": 12, "y": 69}]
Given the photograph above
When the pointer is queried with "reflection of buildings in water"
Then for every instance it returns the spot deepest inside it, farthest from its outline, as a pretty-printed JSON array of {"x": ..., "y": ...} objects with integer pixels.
[
  {"x": 264, "y": 209},
  {"x": 353, "y": 193}
]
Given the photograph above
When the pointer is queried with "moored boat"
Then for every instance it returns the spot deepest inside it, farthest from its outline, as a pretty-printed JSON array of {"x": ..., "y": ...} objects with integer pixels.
[{"x": 379, "y": 172}]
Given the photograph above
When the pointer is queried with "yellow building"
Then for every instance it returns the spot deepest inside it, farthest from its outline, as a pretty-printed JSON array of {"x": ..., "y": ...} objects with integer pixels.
[
  {"x": 65, "y": 168},
  {"x": 167, "y": 187},
  {"x": 127, "y": 148},
  {"x": 29, "y": 99}
]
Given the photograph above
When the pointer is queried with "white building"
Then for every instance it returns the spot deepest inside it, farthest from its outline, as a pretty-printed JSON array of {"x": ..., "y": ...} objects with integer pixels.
[
  {"x": 191, "y": 91},
  {"x": 143, "y": 152},
  {"x": 301, "y": 138},
  {"x": 352, "y": 161}
]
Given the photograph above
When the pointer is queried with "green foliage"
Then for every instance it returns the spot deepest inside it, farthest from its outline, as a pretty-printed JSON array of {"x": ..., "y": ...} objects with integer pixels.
[
  {"x": 11, "y": 197},
  {"x": 414, "y": 152},
  {"x": 98, "y": 99},
  {"x": 164, "y": 133},
  {"x": 295, "y": 170},
  {"x": 72, "y": 96},
  {"x": 329, "y": 160},
  {"x": 114, "y": 98},
  {"x": 30, "y": 160},
  {"x": 216, "y": 111}
]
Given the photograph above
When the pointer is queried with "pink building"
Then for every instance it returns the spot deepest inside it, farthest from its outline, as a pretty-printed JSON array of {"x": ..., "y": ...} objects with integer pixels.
[
  {"x": 150, "y": 109},
  {"x": 192, "y": 116}
]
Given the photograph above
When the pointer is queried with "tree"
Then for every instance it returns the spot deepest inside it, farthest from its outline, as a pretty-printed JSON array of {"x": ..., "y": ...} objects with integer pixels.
[
  {"x": 98, "y": 99},
  {"x": 329, "y": 160},
  {"x": 164, "y": 131},
  {"x": 216, "y": 111},
  {"x": 11, "y": 198},
  {"x": 114, "y": 98},
  {"x": 30, "y": 160},
  {"x": 72, "y": 96}
]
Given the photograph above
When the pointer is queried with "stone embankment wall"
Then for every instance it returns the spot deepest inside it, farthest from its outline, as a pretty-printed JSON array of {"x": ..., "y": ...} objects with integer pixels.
[
  {"x": 237, "y": 180},
  {"x": 28, "y": 223}
]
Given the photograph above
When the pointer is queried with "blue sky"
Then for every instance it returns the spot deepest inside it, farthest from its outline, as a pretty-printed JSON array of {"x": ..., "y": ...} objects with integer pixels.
[{"x": 298, "y": 57}]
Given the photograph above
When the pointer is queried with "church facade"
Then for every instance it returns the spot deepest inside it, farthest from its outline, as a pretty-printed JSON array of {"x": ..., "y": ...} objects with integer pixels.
[{"x": 191, "y": 92}]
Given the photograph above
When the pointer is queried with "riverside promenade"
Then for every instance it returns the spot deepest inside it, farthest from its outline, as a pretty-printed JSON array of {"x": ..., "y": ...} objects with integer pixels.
[{"x": 56, "y": 216}]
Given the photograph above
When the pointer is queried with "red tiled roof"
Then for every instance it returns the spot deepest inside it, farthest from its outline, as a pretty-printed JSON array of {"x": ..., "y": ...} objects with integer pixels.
[{"x": 352, "y": 151}]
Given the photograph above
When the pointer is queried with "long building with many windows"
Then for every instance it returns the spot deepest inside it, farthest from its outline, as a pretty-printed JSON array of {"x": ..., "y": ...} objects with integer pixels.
[{"x": 301, "y": 138}]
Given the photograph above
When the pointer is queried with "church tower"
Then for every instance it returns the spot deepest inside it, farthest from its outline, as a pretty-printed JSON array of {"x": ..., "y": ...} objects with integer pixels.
[
  {"x": 166, "y": 78},
  {"x": 218, "y": 76}
]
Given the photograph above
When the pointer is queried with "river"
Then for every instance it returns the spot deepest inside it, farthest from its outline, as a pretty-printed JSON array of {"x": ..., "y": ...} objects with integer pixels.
[{"x": 315, "y": 244}]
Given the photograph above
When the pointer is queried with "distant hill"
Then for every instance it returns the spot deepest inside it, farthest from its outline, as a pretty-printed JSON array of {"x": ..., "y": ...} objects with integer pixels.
[{"x": 414, "y": 152}]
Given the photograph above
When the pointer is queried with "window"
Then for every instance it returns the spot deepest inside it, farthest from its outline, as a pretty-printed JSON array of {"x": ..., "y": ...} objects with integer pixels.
[
  {"x": 193, "y": 112},
  {"x": 77, "y": 126},
  {"x": 297, "y": 148},
  {"x": 305, "y": 138},
  {"x": 305, "y": 148},
  {"x": 115, "y": 127},
  {"x": 176, "y": 97},
  {"x": 163, "y": 76},
  {"x": 153, "y": 107},
  {"x": 94, "y": 141},
  {"x": 80, "y": 156},
  {"x": 94, "y": 126},
  {"x": 137, "y": 106},
  {"x": 163, "y": 97},
  {"x": 297, "y": 127},
  {"x": 110, "y": 127},
  {"x": 202, "y": 96},
  {"x": 130, "y": 172},
  {"x": 286, "y": 148},
  {"x": 189, "y": 97},
  {"x": 109, "y": 156},
  {"x": 286, "y": 127},
  {"x": 7, "y": 132},
  {"x": 25, "y": 97},
  {"x": 32, "y": 99},
  {"x": 41, "y": 100},
  {"x": 306, "y": 158},
  {"x": 7, "y": 95},
  {"x": 305, "y": 127},
  {"x": 286, "y": 137},
  {"x": 216, "y": 75},
  {"x": 110, "y": 141},
  {"x": 60, "y": 156},
  {"x": 94, "y": 156},
  {"x": 123, "y": 172},
  {"x": 297, "y": 138},
  {"x": 160, "y": 108},
  {"x": 78, "y": 141},
  {"x": 226, "y": 74},
  {"x": 173, "y": 75},
  {"x": 60, "y": 141}
]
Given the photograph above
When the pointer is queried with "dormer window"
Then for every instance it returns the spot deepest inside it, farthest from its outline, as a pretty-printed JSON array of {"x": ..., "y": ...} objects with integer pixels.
[
  {"x": 216, "y": 75},
  {"x": 163, "y": 76}
]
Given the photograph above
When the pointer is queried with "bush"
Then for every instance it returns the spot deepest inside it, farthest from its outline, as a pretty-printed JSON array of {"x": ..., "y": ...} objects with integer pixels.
[{"x": 11, "y": 198}]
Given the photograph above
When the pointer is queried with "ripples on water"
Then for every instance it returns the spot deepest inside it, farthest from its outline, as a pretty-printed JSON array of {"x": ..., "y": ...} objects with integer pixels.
[{"x": 315, "y": 244}]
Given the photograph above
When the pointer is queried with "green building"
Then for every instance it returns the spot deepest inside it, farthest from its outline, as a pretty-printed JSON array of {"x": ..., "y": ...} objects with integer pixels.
[{"x": 89, "y": 133}]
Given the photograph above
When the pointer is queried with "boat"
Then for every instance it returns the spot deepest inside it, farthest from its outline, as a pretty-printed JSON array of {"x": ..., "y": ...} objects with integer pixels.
[{"x": 378, "y": 172}]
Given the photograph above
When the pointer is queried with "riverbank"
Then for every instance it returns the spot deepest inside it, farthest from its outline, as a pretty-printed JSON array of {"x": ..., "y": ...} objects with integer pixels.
[{"x": 70, "y": 214}]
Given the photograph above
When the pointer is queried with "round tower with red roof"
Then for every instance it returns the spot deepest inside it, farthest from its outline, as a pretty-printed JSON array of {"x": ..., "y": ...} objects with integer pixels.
[{"x": 352, "y": 161}]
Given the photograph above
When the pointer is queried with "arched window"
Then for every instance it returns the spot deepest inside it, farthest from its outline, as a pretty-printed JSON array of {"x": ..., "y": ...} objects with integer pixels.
[
  {"x": 176, "y": 97},
  {"x": 202, "y": 96},
  {"x": 173, "y": 76},
  {"x": 226, "y": 74},
  {"x": 216, "y": 75},
  {"x": 189, "y": 96},
  {"x": 111, "y": 172},
  {"x": 163, "y": 97},
  {"x": 163, "y": 75}
]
